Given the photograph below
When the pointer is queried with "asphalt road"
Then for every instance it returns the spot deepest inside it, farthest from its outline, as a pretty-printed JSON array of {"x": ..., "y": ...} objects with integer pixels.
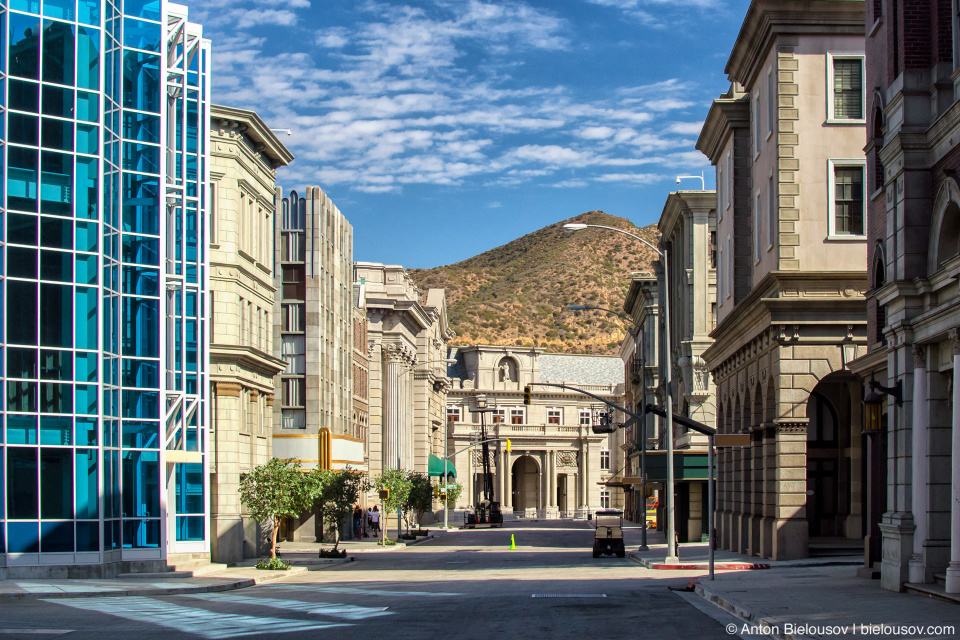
[{"x": 461, "y": 585}]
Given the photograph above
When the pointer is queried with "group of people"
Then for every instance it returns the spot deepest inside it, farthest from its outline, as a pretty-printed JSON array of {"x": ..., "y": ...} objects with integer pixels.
[{"x": 364, "y": 519}]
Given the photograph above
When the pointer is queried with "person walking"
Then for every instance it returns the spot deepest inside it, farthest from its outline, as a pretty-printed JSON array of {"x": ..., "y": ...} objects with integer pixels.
[
  {"x": 357, "y": 521},
  {"x": 375, "y": 519}
]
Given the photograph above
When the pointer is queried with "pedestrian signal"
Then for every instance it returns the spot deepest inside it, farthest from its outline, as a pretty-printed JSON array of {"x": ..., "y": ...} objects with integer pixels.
[
  {"x": 526, "y": 394},
  {"x": 508, "y": 445},
  {"x": 384, "y": 494}
]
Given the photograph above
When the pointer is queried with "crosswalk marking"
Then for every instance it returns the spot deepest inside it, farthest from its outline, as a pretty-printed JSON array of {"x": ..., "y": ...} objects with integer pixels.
[
  {"x": 345, "y": 611},
  {"x": 208, "y": 624},
  {"x": 355, "y": 591},
  {"x": 41, "y": 587}
]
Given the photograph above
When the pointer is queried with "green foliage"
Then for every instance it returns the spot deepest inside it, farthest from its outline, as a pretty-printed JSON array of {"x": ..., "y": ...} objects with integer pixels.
[
  {"x": 333, "y": 553},
  {"x": 453, "y": 494},
  {"x": 419, "y": 498},
  {"x": 339, "y": 491},
  {"x": 277, "y": 490},
  {"x": 386, "y": 542},
  {"x": 398, "y": 482},
  {"x": 273, "y": 564}
]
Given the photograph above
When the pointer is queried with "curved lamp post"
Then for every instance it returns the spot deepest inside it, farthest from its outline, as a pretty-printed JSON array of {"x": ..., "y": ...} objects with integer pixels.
[{"x": 571, "y": 227}]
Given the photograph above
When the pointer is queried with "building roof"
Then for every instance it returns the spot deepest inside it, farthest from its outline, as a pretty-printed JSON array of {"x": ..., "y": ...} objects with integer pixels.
[{"x": 563, "y": 367}]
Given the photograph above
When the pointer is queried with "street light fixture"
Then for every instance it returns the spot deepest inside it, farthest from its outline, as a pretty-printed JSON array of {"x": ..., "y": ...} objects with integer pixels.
[
  {"x": 703, "y": 183},
  {"x": 571, "y": 227},
  {"x": 446, "y": 459}
]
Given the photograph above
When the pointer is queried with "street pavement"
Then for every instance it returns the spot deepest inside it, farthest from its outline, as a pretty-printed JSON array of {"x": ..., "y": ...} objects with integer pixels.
[{"x": 462, "y": 584}]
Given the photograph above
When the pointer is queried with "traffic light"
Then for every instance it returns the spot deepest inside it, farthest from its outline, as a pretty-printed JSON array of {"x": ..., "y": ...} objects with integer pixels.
[
  {"x": 526, "y": 394},
  {"x": 384, "y": 494},
  {"x": 508, "y": 445}
]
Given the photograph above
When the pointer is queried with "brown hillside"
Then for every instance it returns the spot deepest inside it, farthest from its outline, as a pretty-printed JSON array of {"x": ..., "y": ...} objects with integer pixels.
[{"x": 517, "y": 294}]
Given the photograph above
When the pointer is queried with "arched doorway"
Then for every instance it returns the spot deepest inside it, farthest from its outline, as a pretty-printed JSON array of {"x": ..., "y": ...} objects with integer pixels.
[{"x": 526, "y": 484}]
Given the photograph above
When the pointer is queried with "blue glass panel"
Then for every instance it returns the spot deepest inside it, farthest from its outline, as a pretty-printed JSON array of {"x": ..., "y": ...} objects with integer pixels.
[
  {"x": 21, "y": 310},
  {"x": 89, "y": 11},
  {"x": 88, "y": 176},
  {"x": 88, "y": 141},
  {"x": 56, "y": 430},
  {"x": 56, "y": 101},
  {"x": 22, "y": 484},
  {"x": 149, "y": 9},
  {"x": 3, "y": 494},
  {"x": 21, "y": 429},
  {"x": 56, "y": 485},
  {"x": 141, "y": 157},
  {"x": 24, "y": 129},
  {"x": 86, "y": 396},
  {"x": 56, "y": 365},
  {"x": 88, "y": 106},
  {"x": 22, "y": 183},
  {"x": 142, "y": 35},
  {"x": 142, "y": 281},
  {"x": 24, "y": 96},
  {"x": 86, "y": 484},
  {"x": 63, "y": 9},
  {"x": 33, "y": 6},
  {"x": 56, "y": 313},
  {"x": 141, "y": 81},
  {"x": 143, "y": 374},
  {"x": 86, "y": 318},
  {"x": 141, "y": 203},
  {"x": 88, "y": 535},
  {"x": 3, "y": 540},
  {"x": 141, "y": 434},
  {"x": 88, "y": 58},
  {"x": 87, "y": 236},
  {"x": 57, "y": 134},
  {"x": 86, "y": 432},
  {"x": 22, "y": 229},
  {"x": 141, "y": 250},
  {"x": 141, "y": 327},
  {"x": 56, "y": 233},
  {"x": 141, "y": 534},
  {"x": 21, "y": 396},
  {"x": 86, "y": 367},
  {"x": 56, "y": 537},
  {"x": 141, "y": 127},
  {"x": 86, "y": 269},
  {"x": 24, "y": 537},
  {"x": 189, "y": 488},
  {"x": 58, "y": 51},
  {"x": 56, "y": 183},
  {"x": 141, "y": 404},
  {"x": 56, "y": 398},
  {"x": 111, "y": 532},
  {"x": 56, "y": 266},
  {"x": 141, "y": 484},
  {"x": 24, "y": 56},
  {"x": 22, "y": 263},
  {"x": 190, "y": 528}
]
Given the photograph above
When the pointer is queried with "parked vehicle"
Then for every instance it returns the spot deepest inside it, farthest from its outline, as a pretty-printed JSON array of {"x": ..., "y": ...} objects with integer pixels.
[{"x": 608, "y": 539}]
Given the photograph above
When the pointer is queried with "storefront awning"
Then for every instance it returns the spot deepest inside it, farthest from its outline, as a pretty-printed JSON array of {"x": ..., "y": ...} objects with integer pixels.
[{"x": 435, "y": 468}]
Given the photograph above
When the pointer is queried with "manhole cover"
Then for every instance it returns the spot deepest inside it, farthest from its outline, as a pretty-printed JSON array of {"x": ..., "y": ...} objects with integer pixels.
[{"x": 568, "y": 595}]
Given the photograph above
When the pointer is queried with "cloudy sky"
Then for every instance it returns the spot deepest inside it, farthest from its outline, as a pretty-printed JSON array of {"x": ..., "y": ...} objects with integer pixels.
[{"x": 443, "y": 128}]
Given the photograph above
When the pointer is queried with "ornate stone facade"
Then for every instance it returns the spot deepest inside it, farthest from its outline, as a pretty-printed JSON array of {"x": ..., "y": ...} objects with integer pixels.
[{"x": 243, "y": 162}]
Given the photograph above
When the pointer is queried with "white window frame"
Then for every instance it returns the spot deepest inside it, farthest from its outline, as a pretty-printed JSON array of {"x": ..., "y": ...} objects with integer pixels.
[
  {"x": 498, "y": 416},
  {"x": 832, "y": 165},
  {"x": 559, "y": 415},
  {"x": 454, "y": 410},
  {"x": 518, "y": 411},
  {"x": 604, "y": 498},
  {"x": 721, "y": 196},
  {"x": 771, "y": 100},
  {"x": 756, "y": 125},
  {"x": 721, "y": 273},
  {"x": 604, "y": 458},
  {"x": 729, "y": 273},
  {"x": 729, "y": 191},
  {"x": 757, "y": 219},
  {"x": 584, "y": 413},
  {"x": 773, "y": 218},
  {"x": 863, "y": 90}
]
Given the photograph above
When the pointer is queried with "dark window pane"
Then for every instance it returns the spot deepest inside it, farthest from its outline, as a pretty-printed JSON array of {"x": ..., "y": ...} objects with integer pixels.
[
  {"x": 141, "y": 127},
  {"x": 143, "y": 374},
  {"x": 141, "y": 204},
  {"x": 848, "y": 89},
  {"x": 141, "y": 250},
  {"x": 141, "y": 534},
  {"x": 86, "y": 483},
  {"x": 141, "y": 484},
  {"x": 141, "y": 435},
  {"x": 24, "y": 536},
  {"x": 24, "y": 57},
  {"x": 189, "y": 488},
  {"x": 88, "y": 58},
  {"x": 88, "y": 534},
  {"x": 21, "y": 363},
  {"x": 23, "y": 129},
  {"x": 24, "y": 96},
  {"x": 21, "y": 396},
  {"x": 56, "y": 398},
  {"x": 22, "y": 229},
  {"x": 56, "y": 537},
  {"x": 22, "y": 484},
  {"x": 56, "y": 430},
  {"x": 57, "y": 134},
  {"x": 141, "y": 327},
  {"x": 56, "y": 313},
  {"x": 56, "y": 233},
  {"x": 141, "y": 157},
  {"x": 21, "y": 310},
  {"x": 56, "y": 484},
  {"x": 56, "y": 365},
  {"x": 87, "y": 177},
  {"x": 58, "y": 48},
  {"x": 56, "y": 265},
  {"x": 57, "y": 101},
  {"x": 141, "y": 404},
  {"x": 22, "y": 263},
  {"x": 56, "y": 183},
  {"x": 22, "y": 178}
]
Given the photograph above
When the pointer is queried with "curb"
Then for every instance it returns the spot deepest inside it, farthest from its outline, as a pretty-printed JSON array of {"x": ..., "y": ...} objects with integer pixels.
[
  {"x": 739, "y": 610},
  {"x": 696, "y": 566}
]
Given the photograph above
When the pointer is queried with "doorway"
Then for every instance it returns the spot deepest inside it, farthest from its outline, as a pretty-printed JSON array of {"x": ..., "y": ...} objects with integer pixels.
[
  {"x": 526, "y": 484},
  {"x": 562, "y": 493}
]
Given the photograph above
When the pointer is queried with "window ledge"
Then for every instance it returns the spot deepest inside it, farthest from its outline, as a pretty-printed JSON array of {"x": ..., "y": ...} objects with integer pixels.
[
  {"x": 876, "y": 27},
  {"x": 877, "y": 194},
  {"x": 846, "y": 121},
  {"x": 846, "y": 238},
  {"x": 769, "y": 134}
]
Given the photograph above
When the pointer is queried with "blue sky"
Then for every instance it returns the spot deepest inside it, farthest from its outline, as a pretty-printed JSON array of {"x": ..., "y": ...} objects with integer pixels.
[{"x": 443, "y": 128}]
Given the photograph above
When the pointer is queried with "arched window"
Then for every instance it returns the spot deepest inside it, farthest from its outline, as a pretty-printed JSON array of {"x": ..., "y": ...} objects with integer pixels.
[
  {"x": 949, "y": 244},
  {"x": 879, "y": 279}
]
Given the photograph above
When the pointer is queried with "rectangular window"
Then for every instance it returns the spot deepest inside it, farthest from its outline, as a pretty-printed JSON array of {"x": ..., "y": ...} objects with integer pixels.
[
  {"x": 499, "y": 416},
  {"x": 956, "y": 34},
  {"x": 214, "y": 226},
  {"x": 846, "y": 199},
  {"x": 453, "y": 414},
  {"x": 293, "y": 392},
  {"x": 516, "y": 416},
  {"x": 293, "y": 419},
  {"x": 729, "y": 283},
  {"x": 554, "y": 416},
  {"x": 756, "y": 123},
  {"x": 845, "y": 90},
  {"x": 771, "y": 100},
  {"x": 605, "y": 460},
  {"x": 721, "y": 273},
  {"x": 585, "y": 419},
  {"x": 720, "y": 195},
  {"x": 604, "y": 498},
  {"x": 756, "y": 227},
  {"x": 728, "y": 192},
  {"x": 772, "y": 221},
  {"x": 293, "y": 350}
]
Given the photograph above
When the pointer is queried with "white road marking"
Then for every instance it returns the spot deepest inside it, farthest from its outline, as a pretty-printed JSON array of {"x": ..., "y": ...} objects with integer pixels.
[
  {"x": 201, "y": 622},
  {"x": 346, "y": 611},
  {"x": 40, "y": 587},
  {"x": 568, "y": 595},
  {"x": 360, "y": 592},
  {"x": 38, "y": 632}
]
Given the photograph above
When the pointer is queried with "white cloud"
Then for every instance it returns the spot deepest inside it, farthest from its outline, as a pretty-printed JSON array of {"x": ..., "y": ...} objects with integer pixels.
[
  {"x": 686, "y": 128},
  {"x": 596, "y": 133}
]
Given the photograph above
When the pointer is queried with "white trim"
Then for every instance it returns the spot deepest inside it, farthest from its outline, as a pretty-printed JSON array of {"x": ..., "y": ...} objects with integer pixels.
[
  {"x": 756, "y": 226},
  {"x": 773, "y": 217},
  {"x": 721, "y": 196},
  {"x": 863, "y": 87},
  {"x": 772, "y": 106},
  {"x": 832, "y": 165},
  {"x": 729, "y": 266},
  {"x": 728, "y": 192},
  {"x": 756, "y": 125}
]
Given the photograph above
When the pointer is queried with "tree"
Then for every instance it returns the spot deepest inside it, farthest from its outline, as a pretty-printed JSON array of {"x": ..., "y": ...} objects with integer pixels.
[
  {"x": 453, "y": 494},
  {"x": 398, "y": 484},
  {"x": 340, "y": 491},
  {"x": 420, "y": 498},
  {"x": 277, "y": 490}
]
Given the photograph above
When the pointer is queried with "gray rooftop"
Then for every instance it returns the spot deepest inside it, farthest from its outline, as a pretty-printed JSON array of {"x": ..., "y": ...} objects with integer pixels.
[{"x": 561, "y": 367}]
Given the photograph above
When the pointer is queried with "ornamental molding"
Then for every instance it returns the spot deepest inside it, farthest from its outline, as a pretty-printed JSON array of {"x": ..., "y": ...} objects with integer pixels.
[{"x": 919, "y": 356}]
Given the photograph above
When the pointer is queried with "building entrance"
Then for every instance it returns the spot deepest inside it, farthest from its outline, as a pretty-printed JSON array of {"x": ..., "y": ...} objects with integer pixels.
[
  {"x": 526, "y": 484},
  {"x": 562, "y": 493}
]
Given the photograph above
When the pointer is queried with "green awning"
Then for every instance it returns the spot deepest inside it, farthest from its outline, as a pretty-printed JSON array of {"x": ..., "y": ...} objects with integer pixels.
[{"x": 435, "y": 468}]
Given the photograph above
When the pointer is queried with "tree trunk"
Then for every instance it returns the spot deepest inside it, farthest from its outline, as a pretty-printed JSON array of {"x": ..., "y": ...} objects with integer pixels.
[
  {"x": 273, "y": 538},
  {"x": 336, "y": 536}
]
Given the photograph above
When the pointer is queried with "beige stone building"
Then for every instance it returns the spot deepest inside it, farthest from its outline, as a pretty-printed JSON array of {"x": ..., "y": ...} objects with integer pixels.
[
  {"x": 557, "y": 466},
  {"x": 407, "y": 337},
  {"x": 787, "y": 142},
  {"x": 244, "y": 157},
  {"x": 361, "y": 372},
  {"x": 313, "y": 334}
]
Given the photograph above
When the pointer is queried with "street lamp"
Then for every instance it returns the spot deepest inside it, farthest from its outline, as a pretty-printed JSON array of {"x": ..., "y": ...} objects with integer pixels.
[
  {"x": 446, "y": 459},
  {"x": 571, "y": 227},
  {"x": 703, "y": 183}
]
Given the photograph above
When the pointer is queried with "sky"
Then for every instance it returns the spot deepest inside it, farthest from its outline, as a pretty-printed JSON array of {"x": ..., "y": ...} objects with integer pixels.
[{"x": 444, "y": 128}]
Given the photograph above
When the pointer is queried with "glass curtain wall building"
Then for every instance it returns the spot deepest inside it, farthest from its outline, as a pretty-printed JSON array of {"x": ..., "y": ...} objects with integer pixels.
[{"x": 104, "y": 187}]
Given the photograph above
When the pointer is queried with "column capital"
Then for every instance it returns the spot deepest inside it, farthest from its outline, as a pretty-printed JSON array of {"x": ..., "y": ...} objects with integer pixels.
[
  {"x": 919, "y": 356},
  {"x": 954, "y": 335}
]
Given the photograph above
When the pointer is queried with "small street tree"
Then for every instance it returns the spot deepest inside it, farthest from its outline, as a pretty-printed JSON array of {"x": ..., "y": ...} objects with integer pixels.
[
  {"x": 420, "y": 498},
  {"x": 398, "y": 484},
  {"x": 453, "y": 494},
  {"x": 340, "y": 491},
  {"x": 276, "y": 490}
]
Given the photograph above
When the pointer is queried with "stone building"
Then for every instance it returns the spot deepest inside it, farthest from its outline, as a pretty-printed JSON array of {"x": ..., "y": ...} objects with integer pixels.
[
  {"x": 557, "y": 465},
  {"x": 244, "y": 158},
  {"x": 407, "y": 335},
  {"x": 313, "y": 334},
  {"x": 787, "y": 144},
  {"x": 913, "y": 126},
  {"x": 361, "y": 372}
]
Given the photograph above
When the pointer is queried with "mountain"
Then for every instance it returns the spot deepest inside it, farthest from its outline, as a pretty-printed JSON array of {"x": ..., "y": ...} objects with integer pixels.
[{"x": 517, "y": 294}]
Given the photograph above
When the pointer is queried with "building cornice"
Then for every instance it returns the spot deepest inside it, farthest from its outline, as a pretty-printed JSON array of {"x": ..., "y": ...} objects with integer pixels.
[
  {"x": 679, "y": 202},
  {"x": 248, "y": 123},
  {"x": 247, "y": 358},
  {"x": 766, "y": 20},
  {"x": 728, "y": 112}
]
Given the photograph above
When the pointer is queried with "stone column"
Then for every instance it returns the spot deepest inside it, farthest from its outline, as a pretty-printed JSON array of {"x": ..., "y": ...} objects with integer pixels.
[
  {"x": 919, "y": 462},
  {"x": 552, "y": 474},
  {"x": 392, "y": 407},
  {"x": 585, "y": 475},
  {"x": 953, "y": 571},
  {"x": 507, "y": 483}
]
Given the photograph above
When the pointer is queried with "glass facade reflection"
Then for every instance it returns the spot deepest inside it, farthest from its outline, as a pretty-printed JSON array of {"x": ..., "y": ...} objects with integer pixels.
[{"x": 102, "y": 282}]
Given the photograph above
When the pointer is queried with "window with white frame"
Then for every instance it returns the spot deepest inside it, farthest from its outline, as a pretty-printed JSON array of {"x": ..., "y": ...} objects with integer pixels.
[
  {"x": 772, "y": 220},
  {"x": 846, "y": 98},
  {"x": 605, "y": 460},
  {"x": 729, "y": 289},
  {"x": 756, "y": 226},
  {"x": 604, "y": 498},
  {"x": 498, "y": 416},
  {"x": 721, "y": 273},
  {"x": 453, "y": 414},
  {"x": 720, "y": 195},
  {"x": 585, "y": 419},
  {"x": 517, "y": 415},
  {"x": 554, "y": 416},
  {"x": 729, "y": 190},
  {"x": 847, "y": 204},
  {"x": 771, "y": 100},
  {"x": 756, "y": 123}
]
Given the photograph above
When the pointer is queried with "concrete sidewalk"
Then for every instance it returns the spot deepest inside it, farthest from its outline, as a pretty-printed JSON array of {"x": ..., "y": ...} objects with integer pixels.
[{"x": 798, "y": 602}]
